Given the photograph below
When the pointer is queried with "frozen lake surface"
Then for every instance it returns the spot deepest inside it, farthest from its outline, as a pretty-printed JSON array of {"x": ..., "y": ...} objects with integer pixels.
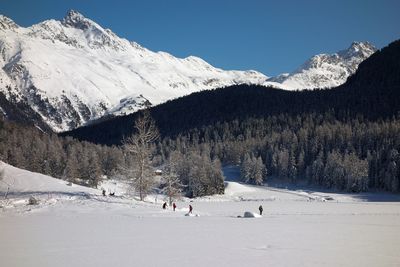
[{"x": 76, "y": 226}]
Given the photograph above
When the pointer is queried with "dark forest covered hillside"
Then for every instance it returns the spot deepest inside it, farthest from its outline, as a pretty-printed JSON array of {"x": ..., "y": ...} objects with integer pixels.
[{"x": 372, "y": 93}]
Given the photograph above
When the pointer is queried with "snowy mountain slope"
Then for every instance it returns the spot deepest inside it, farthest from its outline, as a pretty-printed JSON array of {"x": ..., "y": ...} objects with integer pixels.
[
  {"x": 22, "y": 183},
  {"x": 73, "y": 71},
  {"x": 325, "y": 71}
]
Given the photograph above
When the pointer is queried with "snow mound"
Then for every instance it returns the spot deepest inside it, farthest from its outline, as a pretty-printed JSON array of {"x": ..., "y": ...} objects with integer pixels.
[
  {"x": 233, "y": 188},
  {"x": 20, "y": 182},
  {"x": 192, "y": 215},
  {"x": 249, "y": 214}
]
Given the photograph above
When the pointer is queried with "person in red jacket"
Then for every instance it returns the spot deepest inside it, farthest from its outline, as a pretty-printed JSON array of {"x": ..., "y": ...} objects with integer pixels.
[
  {"x": 190, "y": 208},
  {"x": 174, "y": 206}
]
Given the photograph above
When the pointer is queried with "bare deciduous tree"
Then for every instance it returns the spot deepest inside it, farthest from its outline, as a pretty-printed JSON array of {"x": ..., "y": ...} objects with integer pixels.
[
  {"x": 172, "y": 185},
  {"x": 138, "y": 144},
  {"x": 1, "y": 180}
]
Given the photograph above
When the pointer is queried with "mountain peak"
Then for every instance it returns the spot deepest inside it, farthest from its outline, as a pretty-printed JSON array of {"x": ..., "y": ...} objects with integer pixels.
[
  {"x": 77, "y": 20},
  {"x": 325, "y": 70},
  {"x": 74, "y": 15},
  {"x": 7, "y": 23},
  {"x": 358, "y": 49},
  {"x": 361, "y": 45},
  {"x": 110, "y": 74}
]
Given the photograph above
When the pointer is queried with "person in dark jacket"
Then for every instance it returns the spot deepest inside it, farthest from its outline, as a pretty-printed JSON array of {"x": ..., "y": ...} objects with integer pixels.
[
  {"x": 260, "y": 209},
  {"x": 190, "y": 208},
  {"x": 164, "y": 206},
  {"x": 174, "y": 206}
]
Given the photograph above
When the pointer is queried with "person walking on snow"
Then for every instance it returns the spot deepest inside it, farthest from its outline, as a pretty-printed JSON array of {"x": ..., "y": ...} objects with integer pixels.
[
  {"x": 164, "y": 206},
  {"x": 260, "y": 209},
  {"x": 190, "y": 208},
  {"x": 174, "y": 206}
]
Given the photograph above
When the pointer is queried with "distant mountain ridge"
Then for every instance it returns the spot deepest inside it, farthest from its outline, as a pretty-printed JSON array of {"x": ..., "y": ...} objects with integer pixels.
[
  {"x": 70, "y": 72},
  {"x": 324, "y": 70}
]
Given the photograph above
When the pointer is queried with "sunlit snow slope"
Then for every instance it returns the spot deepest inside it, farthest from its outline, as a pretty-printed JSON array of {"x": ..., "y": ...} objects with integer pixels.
[{"x": 73, "y": 71}]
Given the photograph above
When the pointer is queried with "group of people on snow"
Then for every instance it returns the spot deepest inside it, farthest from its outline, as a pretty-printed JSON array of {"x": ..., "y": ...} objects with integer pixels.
[
  {"x": 164, "y": 206},
  {"x": 110, "y": 194}
]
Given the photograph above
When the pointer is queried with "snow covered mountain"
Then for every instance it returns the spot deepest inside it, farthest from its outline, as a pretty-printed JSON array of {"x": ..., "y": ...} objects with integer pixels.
[
  {"x": 63, "y": 74},
  {"x": 73, "y": 71},
  {"x": 324, "y": 71}
]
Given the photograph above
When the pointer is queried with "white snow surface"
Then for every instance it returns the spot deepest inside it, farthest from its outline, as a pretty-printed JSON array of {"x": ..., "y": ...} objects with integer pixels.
[
  {"x": 78, "y": 71},
  {"x": 76, "y": 226}
]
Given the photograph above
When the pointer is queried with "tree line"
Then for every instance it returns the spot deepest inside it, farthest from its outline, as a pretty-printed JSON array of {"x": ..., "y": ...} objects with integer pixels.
[
  {"x": 356, "y": 155},
  {"x": 86, "y": 163}
]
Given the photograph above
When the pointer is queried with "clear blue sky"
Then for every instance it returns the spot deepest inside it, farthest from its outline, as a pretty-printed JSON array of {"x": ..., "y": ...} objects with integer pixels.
[{"x": 268, "y": 36}]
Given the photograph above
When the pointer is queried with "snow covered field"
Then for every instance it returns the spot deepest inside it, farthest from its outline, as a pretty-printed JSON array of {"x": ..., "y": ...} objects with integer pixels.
[{"x": 77, "y": 226}]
